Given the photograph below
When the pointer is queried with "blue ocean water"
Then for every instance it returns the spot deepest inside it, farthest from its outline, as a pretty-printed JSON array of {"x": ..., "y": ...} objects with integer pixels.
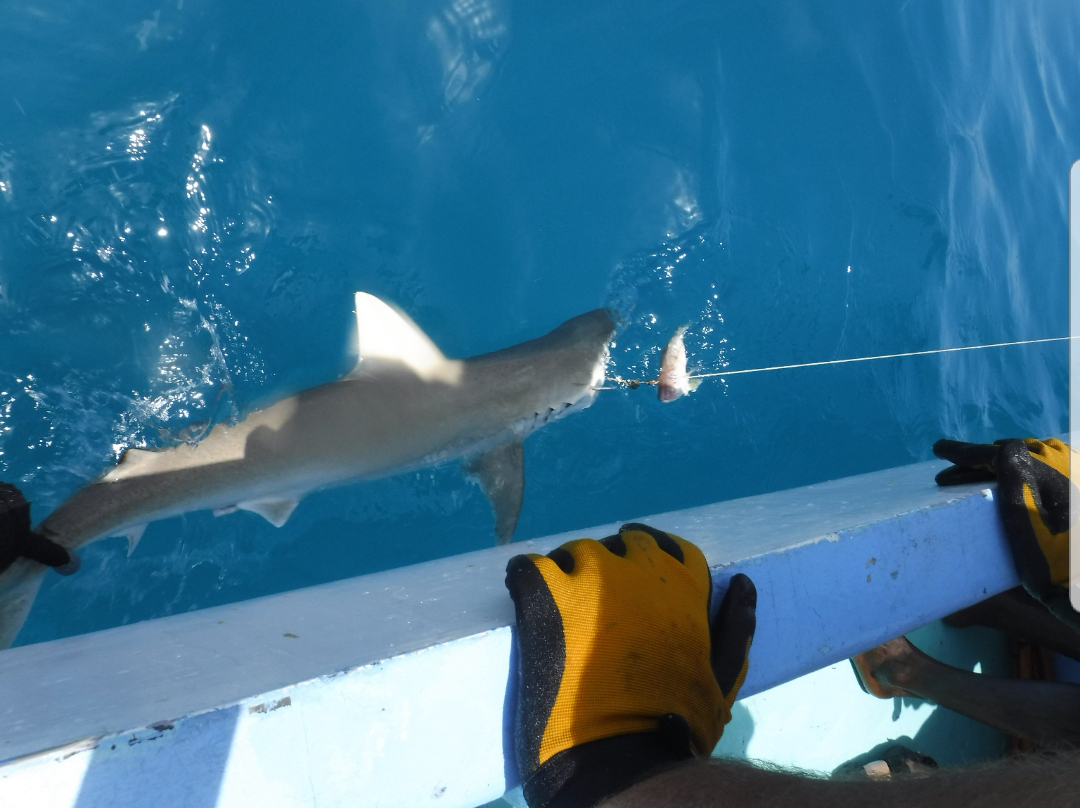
[{"x": 190, "y": 192}]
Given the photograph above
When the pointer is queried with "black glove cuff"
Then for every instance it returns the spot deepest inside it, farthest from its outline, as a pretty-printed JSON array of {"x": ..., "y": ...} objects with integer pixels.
[{"x": 585, "y": 775}]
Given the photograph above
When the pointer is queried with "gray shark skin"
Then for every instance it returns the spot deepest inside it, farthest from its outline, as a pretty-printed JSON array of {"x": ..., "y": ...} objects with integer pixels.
[{"x": 405, "y": 406}]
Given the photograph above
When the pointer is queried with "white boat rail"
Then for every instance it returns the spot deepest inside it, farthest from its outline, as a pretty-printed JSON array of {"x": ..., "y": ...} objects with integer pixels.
[{"x": 394, "y": 689}]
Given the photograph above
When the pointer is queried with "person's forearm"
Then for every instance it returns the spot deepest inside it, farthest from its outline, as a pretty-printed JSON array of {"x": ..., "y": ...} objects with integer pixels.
[{"x": 1049, "y": 781}]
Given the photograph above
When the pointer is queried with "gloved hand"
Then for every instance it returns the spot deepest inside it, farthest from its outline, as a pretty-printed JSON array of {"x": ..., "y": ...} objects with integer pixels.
[
  {"x": 1033, "y": 497},
  {"x": 620, "y": 672},
  {"x": 17, "y": 540}
]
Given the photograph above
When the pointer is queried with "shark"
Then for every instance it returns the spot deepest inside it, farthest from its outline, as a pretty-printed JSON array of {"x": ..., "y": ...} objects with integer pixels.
[{"x": 403, "y": 407}]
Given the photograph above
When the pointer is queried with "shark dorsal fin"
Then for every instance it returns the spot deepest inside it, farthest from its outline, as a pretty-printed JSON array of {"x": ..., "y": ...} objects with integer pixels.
[
  {"x": 133, "y": 463},
  {"x": 387, "y": 338}
]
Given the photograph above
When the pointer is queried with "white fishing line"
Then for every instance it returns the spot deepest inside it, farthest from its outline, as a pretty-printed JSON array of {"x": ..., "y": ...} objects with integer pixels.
[
  {"x": 884, "y": 356},
  {"x": 632, "y": 383}
]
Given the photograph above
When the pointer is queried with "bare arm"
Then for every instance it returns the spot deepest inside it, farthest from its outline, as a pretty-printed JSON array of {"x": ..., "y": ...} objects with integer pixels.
[{"x": 1034, "y": 780}]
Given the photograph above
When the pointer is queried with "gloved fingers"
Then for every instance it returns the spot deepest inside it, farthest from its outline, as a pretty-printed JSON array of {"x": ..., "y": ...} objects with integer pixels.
[
  {"x": 564, "y": 559},
  {"x": 527, "y": 587},
  {"x": 663, "y": 540},
  {"x": 1050, "y": 478},
  {"x": 962, "y": 453},
  {"x": 37, "y": 548},
  {"x": 732, "y": 631},
  {"x": 1034, "y": 507},
  {"x": 961, "y": 475},
  {"x": 1053, "y": 453},
  {"x": 515, "y": 570},
  {"x": 974, "y": 461},
  {"x": 525, "y": 573},
  {"x": 541, "y": 641},
  {"x": 1021, "y": 511},
  {"x": 17, "y": 540},
  {"x": 1020, "y": 464},
  {"x": 682, "y": 552}
]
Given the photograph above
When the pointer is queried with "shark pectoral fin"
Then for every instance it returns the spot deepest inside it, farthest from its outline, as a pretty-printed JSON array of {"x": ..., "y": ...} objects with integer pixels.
[
  {"x": 226, "y": 510},
  {"x": 133, "y": 534},
  {"x": 274, "y": 511},
  {"x": 501, "y": 474}
]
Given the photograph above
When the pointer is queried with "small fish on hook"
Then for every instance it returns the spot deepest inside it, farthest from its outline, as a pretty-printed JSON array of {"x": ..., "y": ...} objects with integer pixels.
[{"x": 675, "y": 380}]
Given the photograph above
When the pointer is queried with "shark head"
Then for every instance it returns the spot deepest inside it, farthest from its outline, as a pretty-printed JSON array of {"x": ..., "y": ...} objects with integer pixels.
[
  {"x": 587, "y": 338},
  {"x": 572, "y": 360},
  {"x": 587, "y": 333},
  {"x": 536, "y": 382}
]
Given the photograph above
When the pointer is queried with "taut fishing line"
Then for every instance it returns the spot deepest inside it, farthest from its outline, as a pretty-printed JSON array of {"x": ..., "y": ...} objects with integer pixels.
[{"x": 634, "y": 383}]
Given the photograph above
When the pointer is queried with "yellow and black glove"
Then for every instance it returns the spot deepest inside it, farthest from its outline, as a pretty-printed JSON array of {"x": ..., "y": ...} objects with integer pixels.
[
  {"x": 620, "y": 671},
  {"x": 1033, "y": 497}
]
